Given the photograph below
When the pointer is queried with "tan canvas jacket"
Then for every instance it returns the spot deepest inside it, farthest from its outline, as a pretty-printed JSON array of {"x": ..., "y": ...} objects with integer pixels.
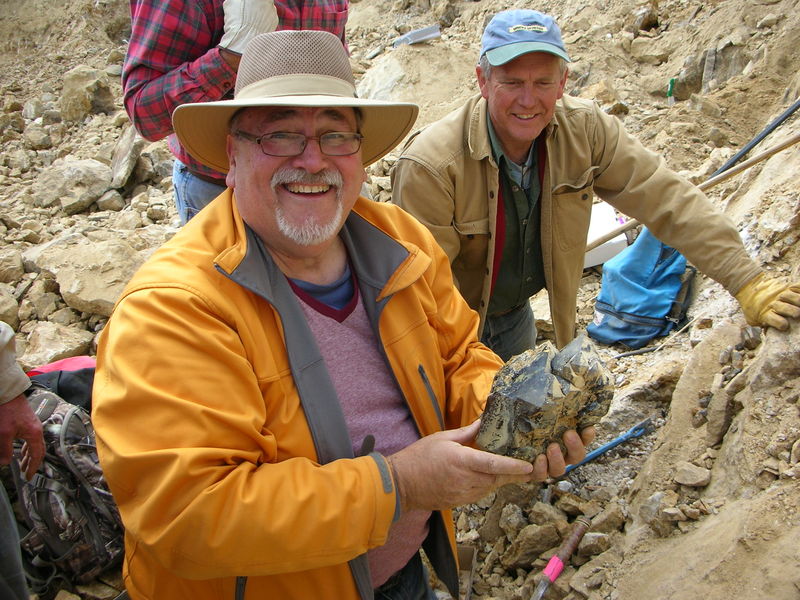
[
  {"x": 447, "y": 178},
  {"x": 13, "y": 380}
]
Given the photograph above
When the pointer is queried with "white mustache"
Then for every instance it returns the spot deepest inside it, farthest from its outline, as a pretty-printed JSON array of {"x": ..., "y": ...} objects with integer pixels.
[{"x": 285, "y": 175}]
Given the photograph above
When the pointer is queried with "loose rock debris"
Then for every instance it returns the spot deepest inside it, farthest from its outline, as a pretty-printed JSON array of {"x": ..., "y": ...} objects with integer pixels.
[{"x": 736, "y": 66}]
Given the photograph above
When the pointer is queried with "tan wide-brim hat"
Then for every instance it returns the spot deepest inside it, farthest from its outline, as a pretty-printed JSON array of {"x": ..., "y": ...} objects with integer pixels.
[{"x": 292, "y": 68}]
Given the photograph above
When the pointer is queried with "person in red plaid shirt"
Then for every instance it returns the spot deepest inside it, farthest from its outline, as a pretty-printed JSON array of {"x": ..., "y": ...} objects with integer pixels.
[{"x": 182, "y": 52}]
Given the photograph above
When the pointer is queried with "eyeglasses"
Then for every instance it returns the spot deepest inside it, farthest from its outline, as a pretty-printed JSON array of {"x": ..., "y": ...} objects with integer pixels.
[{"x": 281, "y": 143}]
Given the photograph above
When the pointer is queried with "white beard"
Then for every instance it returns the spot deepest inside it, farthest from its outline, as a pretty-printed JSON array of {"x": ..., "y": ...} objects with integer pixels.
[{"x": 309, "y": 233}]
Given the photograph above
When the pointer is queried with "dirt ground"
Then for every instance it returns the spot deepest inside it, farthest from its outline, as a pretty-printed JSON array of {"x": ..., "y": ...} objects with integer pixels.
[{"x": 747, "y": 543}]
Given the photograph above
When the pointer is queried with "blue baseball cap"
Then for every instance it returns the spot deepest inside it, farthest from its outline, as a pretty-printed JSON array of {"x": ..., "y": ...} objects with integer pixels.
[{"x": 512, "y": 33}]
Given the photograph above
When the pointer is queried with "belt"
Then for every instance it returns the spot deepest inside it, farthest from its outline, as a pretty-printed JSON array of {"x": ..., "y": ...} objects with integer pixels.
[{"x": 207, "y": 178}]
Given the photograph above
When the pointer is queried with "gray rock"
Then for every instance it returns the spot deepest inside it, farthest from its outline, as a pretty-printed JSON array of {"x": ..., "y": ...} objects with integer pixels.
[
  {"x": 651, "y": 512},
  {"x": 689, "y": 79},
  {"x": 11, "y": 268},
  {"x": 778, "y": 361},
  {"x": 51, "y": 117},
  {"x": 719, "y": 416},
  {"x": 532, "y": 541},
  {"x": 90, "y": 274},
  {"x": 9, "y": 308},
  {"x": 512, "y": 520},
  {"x": 691, "y": 475},
  {"x": 20, "y": 159},
  {"x": 86, "y": 91},
  {"x": 49, "y": 342},
  {"x": 126, "y": 154},
  {"x": 33, "y": 109},
  {"x": 72, "y": 183},
  {"x": 37, "y": 138},
  {"x": 154, "y": 164},
  {"x": 593, "y": 543}
]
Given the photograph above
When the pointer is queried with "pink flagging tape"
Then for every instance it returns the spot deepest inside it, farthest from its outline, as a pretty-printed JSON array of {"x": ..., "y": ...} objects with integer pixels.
[{"x": 553, "y": 568}]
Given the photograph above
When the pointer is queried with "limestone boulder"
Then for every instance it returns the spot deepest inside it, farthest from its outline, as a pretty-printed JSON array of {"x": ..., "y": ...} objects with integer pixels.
[
  {"x": 73, "y": 184},
  {"x": 90, "y": 274},
  {"x": 48, "y": 342},
  {"x": 86, "y": 91}
]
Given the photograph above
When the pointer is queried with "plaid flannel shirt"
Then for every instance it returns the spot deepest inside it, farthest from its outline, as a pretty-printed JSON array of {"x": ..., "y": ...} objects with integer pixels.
[{"x": 173, "y": 58}]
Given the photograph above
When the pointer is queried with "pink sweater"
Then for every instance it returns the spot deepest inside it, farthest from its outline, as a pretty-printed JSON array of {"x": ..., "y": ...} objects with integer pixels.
[{"x": 371, "y": 404}]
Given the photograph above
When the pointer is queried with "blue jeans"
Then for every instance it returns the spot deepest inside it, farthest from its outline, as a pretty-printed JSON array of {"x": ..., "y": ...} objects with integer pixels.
[
  {"x": 191, "y": 192},
  {"x": 511, "y": 333},
  {"x": 12, "y": 577},
  {"x": 409, "y": 583}
]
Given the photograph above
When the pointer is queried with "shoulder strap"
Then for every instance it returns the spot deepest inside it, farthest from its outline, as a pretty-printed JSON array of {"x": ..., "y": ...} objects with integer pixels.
[
  {"x": 76, "y": 412},
  {"x": 677, "y": 312}
]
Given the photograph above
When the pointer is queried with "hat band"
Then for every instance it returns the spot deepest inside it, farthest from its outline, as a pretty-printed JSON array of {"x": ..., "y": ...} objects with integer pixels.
[{"x": 297, "y": 85}]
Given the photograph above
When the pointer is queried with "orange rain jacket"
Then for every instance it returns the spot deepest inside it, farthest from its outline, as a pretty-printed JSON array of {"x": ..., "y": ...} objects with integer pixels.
[{"x": 206, "y": 371}]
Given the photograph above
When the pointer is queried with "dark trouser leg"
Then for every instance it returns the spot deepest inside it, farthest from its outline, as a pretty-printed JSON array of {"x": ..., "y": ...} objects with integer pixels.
[
  {"x": 409, "y": 583},
  {"x": 511, "y": 333},
  {"x": 12, "y": 577}
]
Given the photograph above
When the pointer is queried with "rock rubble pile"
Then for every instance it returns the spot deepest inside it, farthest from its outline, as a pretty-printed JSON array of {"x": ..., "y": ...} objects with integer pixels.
[{"x": 707, "y": 504}]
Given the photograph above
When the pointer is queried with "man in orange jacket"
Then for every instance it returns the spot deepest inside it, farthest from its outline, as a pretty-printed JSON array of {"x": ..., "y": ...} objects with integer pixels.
[{"x": 287, "y": 391}]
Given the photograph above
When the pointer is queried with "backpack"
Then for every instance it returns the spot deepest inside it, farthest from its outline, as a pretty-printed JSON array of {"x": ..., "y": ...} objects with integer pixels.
[
  {"x": 70, "y": 528},
  {"x": 645, "y": 291}
]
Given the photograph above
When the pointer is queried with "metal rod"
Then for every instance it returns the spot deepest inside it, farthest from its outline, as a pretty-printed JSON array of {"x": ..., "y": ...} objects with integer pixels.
[
  {"x": 749, "y": 146},
  {"x": 556, "y": 564}
]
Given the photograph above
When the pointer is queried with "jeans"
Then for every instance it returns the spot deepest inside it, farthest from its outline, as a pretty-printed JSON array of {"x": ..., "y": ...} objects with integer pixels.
[
  {"x": 12, "y": 577},
  {"x": 511, "y": 333},
  {"x": 191, "y": 192},
  {"x": 409, "y": 583}
]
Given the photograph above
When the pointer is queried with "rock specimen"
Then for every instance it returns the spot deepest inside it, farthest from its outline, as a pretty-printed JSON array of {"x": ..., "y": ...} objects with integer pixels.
[{"x": 539, "y": 394}]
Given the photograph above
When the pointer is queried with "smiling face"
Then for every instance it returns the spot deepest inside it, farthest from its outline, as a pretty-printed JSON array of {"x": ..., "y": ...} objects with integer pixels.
[
  {"x": 296, "y": 204},
  {"x": 522, "y": 97}
]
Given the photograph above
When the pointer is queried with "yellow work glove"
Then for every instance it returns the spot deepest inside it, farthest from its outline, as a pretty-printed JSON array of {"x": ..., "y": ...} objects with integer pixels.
[{"x": 767, "y": 302}]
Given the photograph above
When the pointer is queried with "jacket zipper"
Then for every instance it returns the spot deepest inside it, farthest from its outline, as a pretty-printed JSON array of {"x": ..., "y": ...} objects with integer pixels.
[
  {"x": 426, "y": 382},
  {"x": 241, "y": 584}
]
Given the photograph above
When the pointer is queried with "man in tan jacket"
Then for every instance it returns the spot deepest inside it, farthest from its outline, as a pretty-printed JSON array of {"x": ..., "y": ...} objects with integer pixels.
[{"x": 505, "y": 184}]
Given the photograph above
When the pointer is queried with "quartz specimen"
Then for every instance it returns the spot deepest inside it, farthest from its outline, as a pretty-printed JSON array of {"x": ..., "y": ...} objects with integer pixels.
[{"x": 539, "y": 394}]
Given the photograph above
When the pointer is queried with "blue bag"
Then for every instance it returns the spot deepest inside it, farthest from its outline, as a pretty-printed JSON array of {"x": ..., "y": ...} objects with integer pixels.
[{"x": 644, "y": 293}]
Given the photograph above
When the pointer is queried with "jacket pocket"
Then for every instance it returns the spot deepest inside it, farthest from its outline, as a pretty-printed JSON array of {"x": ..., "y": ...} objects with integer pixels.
[
  {"x": 474, "y": 242},
  {"x": 572, "y": 210}
]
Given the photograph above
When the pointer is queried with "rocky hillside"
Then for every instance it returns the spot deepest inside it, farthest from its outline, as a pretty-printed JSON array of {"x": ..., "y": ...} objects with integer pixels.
[{"x": 706, "y": 504}]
